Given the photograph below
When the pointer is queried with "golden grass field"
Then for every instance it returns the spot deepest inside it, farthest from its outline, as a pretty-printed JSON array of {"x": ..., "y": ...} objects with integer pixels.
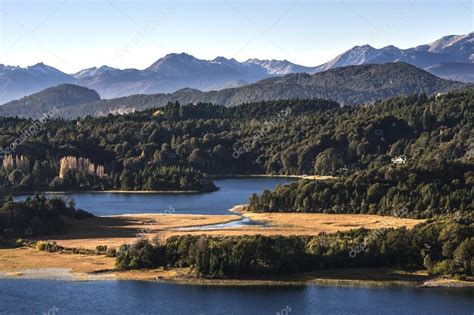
[{"x": 116, "y": 230}]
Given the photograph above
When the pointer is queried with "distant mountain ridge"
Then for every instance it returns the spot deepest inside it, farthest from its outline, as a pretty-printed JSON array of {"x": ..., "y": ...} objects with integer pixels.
[
  {"x": 16, "y": 82},
  {"x": 176, "y": 71},
  {"x": 458, "y": 49},
  {"x": 347, "y": 85}
]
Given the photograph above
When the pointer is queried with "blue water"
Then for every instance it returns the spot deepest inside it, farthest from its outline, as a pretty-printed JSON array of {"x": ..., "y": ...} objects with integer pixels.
[
  {"x": 237, "y": 223},
  {"x": 232, "y": 192},
  {"x": 133, "y": 297}
]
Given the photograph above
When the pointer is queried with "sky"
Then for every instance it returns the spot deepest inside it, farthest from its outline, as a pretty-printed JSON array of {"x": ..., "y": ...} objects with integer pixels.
[{"x": 72, "y": 35}]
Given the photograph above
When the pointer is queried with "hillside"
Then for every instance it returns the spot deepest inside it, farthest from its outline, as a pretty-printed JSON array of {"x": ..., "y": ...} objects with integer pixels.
[
  {"x": 58, "y": 97},
  {"x": 463, "y": 72},
  {"x": 347, "y": 85}
]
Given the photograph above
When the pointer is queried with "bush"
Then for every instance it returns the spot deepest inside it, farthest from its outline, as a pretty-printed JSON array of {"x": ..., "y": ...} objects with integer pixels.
[
  {"x": 50, "y": 247},
  {"x": 442, "y": 268},
  {"x": 111, "y": 252},
  {"x": 41, "y": 246},
  {"x": 101, "y": 248}
]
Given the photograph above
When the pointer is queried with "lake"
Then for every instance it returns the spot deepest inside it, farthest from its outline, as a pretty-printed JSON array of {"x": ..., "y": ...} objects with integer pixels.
[
  {"x": 52, "y": 297},
  {"x": 233, "y": 191},
  {"x": 133, "y": 297}
]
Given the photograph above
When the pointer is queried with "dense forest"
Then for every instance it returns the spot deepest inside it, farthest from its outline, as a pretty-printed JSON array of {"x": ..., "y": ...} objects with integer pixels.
[
  {"x": 175, "y": 147},
  {"x": 423, "y": 162},
  {"x": 444, "y": 247},
  {"x": 423, "y": 191}
]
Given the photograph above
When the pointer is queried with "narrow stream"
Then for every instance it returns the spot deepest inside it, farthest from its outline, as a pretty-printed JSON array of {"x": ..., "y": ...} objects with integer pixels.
[{"x": 244, "y": 221}]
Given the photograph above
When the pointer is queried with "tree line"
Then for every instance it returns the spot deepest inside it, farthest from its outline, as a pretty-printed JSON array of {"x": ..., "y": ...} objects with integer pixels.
[
  {"x": 37, "y": 216},
  {"x": 193, "y": 141},
  {"x": 444, "y": 247},
  {"x": 423, "y": 191}
]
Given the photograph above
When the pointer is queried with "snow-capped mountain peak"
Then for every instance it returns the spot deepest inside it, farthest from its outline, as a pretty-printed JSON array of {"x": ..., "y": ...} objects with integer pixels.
[
  {"x": 278, "y": 67},
  {"x": 92, "y": 72},
  {"x": 450, "y": 41},
  {"x": 448, "y": 57}
]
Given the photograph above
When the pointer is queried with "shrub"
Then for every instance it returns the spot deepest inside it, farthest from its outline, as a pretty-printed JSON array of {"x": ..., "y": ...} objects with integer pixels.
[
  {"x": 111, "y": 252},
  {"x": 101, "y": 248},
  {"x": 442, "y": 268},
  {"x": 41, "y": 245}
]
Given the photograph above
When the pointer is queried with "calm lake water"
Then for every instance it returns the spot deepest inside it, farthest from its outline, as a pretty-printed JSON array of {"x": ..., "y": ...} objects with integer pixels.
[
  {"x": 133, "y": 297},
  {"x": 232, "y": 192}
]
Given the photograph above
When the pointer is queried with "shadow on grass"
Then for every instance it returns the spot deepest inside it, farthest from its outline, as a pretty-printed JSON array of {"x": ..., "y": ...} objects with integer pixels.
[{"x": 103, "y": 227}]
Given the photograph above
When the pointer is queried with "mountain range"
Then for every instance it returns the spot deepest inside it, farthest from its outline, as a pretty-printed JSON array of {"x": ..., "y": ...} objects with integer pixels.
[
  {"x": 450, "y": 57},
  {"x": 16, "y": 82},
  {"x": 348, "y": 85},
  {"x": 449, "y": 49}
]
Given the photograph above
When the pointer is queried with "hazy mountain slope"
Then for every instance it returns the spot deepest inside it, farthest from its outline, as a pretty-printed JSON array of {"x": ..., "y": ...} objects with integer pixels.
[
  {"x": 60, "y": 97},
  {"x": 170, "y": 73},
  {"x": 16, "y": 82},
  {"x": 110, "y": 82},
  {"x": 463, "y": 72},
  {"x": 347, "y": 85}
]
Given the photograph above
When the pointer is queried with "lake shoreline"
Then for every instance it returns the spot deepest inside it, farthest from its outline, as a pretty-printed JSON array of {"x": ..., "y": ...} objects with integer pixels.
[
  {"x": 120, "y": 191},
  {"x": 115, "y": 230},
  {"x": 374, "y": 278},
  {"x": 64, "y": 192},
  {"x": 310, "y": 177}
]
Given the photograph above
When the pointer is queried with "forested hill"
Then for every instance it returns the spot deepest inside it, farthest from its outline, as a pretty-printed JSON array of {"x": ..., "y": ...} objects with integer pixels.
[
  {"x": 174, "y": 146},
  {"x": 49, "y": 100},
  {"x": 347, "y": 85},
  {"x": 416, "y": 157}
]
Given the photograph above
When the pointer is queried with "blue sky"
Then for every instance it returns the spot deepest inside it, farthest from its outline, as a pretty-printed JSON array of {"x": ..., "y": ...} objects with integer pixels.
[{"x": 72, "y": 34}]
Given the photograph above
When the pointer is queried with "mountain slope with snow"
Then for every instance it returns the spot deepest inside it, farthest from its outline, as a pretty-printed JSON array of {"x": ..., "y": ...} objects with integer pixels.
[
  {"x": 16, "y": 82},
  {"x": 347, "y": 85},
  {"x": 449, "y": 57},
  {"x": 279, "y": 67},
  {"x": 447, "y": 50}
]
